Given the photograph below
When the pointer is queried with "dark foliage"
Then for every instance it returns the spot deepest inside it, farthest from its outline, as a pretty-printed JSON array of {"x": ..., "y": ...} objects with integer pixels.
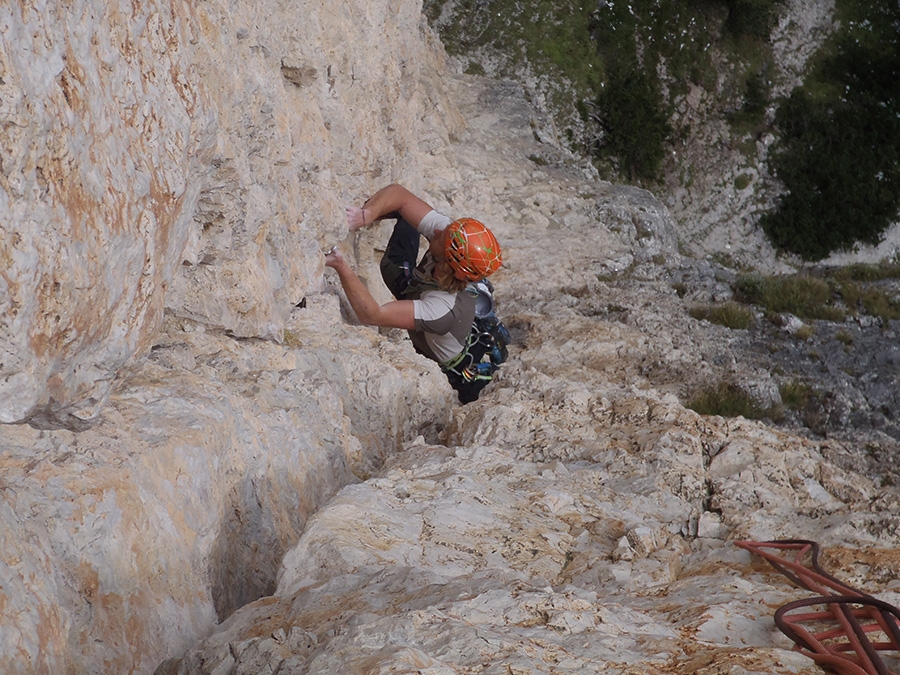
[
  {"x": 752, "y": 17},
  {"x": 839, "y": 154},
  {"x": 631, "y": 112}
]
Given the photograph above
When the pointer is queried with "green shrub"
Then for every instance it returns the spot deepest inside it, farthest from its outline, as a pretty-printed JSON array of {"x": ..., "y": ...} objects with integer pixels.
[
  {"x": 804, "y": 296},
  {"x": 631, "y": 112},
  {"x": 865, "y": 272},
  {"x": 727, "y": 400},
  {"x": 829, "y": 313},
  {"x": 844, "y": 338},
  {"x": 742, "y": 182},
  {"x": 749, "y": 119},
  {"x": 811, "y": 297},
  {"x": 805, "y": 332},
  {"x": 750, "y": 288},
  {"x": 730, "y": 314},
  {"x": 795, "y": 395},
  {"x": 869, "y": 300},
  {"x": 752, "y": 17},
  {"x": 876, "y": 302},
  {"x": 474, "y": 68},
  {"x": 552, "y": 39}
]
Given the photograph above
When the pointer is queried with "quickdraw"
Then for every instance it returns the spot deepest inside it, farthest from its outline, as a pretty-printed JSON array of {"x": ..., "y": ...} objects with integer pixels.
[{"x": 488, "y": 337}]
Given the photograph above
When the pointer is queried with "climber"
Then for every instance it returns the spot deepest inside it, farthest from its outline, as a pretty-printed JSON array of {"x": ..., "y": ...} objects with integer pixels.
[{"x": 435, "y": 300}]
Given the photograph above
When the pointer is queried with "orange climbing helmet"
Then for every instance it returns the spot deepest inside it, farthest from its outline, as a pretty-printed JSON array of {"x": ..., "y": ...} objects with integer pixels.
[{"x": 472, "y": 250}]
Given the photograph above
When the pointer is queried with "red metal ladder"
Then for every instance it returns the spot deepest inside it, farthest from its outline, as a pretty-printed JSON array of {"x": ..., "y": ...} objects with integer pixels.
[{"x": 837, "y": 637}]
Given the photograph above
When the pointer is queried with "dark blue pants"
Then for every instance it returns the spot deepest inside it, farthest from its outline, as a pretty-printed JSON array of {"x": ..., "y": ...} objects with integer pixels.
[{"x": 400, "y": 258}]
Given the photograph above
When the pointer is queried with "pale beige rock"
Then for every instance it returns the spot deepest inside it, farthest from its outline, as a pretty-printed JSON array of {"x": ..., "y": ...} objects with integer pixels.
[
  {"x": 576, "y": 519},
  {"x": 104, "y": 129},
  {"x": 191, "y": 158},
  {"x": 315, "y": 109},
  {"x": 377, "y": 576},
  {"x": 126, "y": 542}
]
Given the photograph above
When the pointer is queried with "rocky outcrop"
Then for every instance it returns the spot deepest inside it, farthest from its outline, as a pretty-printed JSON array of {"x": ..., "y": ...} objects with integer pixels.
[
  {"x": 482, "y": 557},
  {"x": 123, "y": 544},
  {"x": 577, "y": 517},
  {"x": 105, "y": 130}
]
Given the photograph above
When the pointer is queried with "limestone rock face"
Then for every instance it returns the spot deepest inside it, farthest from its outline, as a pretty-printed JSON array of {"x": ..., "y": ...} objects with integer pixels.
[
  {"x": 122, "y": 544},
  {"x": 478, "y": 557},
  {"x": 316, "y": 107},
  {"x": 187, "y": 157},
  {"x": 104, "y": 129}
]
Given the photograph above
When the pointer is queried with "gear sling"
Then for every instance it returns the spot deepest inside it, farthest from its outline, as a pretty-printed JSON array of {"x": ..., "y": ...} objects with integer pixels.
[{"x": 469, "y": 372}]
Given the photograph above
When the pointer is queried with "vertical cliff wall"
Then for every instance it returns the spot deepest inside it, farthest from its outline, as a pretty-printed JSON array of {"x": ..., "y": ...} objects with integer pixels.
[
  {"x": 316, "y": 104},
  {"x": 186, "y": 156},
  {"x": 105, "y": 129}
]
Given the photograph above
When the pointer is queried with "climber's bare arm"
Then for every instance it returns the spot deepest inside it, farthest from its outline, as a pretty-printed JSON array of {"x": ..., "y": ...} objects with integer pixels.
[
  {"x": 390, "y": 199},
  {"x": 396, "y": 314}
]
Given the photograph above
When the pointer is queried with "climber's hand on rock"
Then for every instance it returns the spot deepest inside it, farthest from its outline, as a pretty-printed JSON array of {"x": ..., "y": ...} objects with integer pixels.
[
  {"x": 357, "y": 218},
  {"x": 334, "y": 258}
]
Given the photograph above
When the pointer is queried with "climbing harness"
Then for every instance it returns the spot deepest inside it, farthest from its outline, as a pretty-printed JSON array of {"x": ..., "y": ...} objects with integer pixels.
[{"x": 486, "y": 348}]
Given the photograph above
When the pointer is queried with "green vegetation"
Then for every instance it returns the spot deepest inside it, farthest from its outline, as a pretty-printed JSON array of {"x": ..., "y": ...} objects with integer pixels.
[
  {"x": 540, "y": 31},
  {"x": 834, "y": 295},
  {"x": 642, "y": 40},
  {"x": 751, "y": 17},
  {"x": 800, "y": 295},
  {"x": 729, "y": 400},
  {"x": 636, "y": 128},
  {"x": 839, "y": 151},
  {"x": 795, "y": 395},
  {"x": 803, "y": 399},
  {"x": 844, "y": 338},
  {"x": 865, "y": 272},
  {"x": 742, "y": 182},
  {"x": 730, "y": 314},
  {"x": 602, "y": 62},
  {"x": 871, "y": 301},
  {"x": 831, "y": 294},
  {"x": 857, "y": 288},
  {"x": 612, "y": 72},
  {"x": 805, "y": 332},
  {"x": 552, "y": 39}
]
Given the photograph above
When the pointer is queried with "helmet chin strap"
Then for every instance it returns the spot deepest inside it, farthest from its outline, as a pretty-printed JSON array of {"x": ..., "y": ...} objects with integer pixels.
[{"x": 460, "y": 278}]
